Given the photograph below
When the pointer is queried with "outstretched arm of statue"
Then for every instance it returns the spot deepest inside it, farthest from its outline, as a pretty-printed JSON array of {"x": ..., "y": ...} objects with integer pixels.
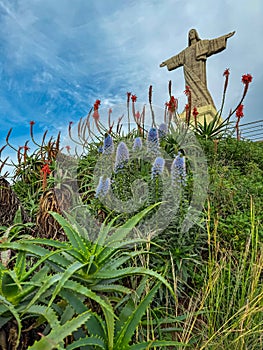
[
  {"x": 230, "y": 34},
  {"x": 173, "y": 62}
]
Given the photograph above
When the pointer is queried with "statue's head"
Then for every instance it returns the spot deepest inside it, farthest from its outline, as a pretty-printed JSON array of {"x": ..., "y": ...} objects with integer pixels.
[{"x": 193, "y": 36}]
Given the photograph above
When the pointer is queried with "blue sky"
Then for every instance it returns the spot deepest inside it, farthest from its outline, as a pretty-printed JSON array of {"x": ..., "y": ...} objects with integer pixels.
[{"x": 59, "y": 56}]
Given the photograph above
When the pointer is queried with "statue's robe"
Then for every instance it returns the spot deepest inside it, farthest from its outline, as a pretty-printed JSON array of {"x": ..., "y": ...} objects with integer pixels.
[{"x": 193, "y": 59}]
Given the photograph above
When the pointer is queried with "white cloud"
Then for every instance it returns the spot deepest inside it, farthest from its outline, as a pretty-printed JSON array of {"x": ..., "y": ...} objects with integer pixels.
[{"x": 60, "y": 56}]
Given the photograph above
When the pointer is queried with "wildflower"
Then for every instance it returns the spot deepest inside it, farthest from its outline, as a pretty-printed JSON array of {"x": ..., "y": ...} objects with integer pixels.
[
  {"x": 26, "y": 148},
  {"x": 32, "y": 123},
  {"x": 137, "y": 144},
  {"x": 246, "y": 79},
  {"x": 239, "y": 111},
  {"x": 172, "y": 104},
  {"x": 150, "y": 93},
  {"x": 187, "y": 111},
  {"x": 128, "y": 96},
  {"x": 122, "y": 156},
  {"x": 100, "y": 149},
  {"x": 170, "y": 88},
  {"x": 134, "y": 98},
  {"x": 138, "y": 116},
  {"x": 158, "y": 166},
  {"x": 103, "y": 187},
  {"x": 68, "y": 148},
  {"x": 96, "y": 105},
  {"x": 46, "y": 171},
  {"x": 187, "y": 90},
  {"x": 108, "y": 146},
  {"x": 152, "y": 141},
  {"x": 195, "y": 112},
  {"x": 226, "y": 72},
  {"x": 162, "y": 131},
  {"x": 178, "y": 170}
]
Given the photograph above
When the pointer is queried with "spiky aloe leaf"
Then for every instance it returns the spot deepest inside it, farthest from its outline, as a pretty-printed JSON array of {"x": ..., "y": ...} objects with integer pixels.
[
  {"x": 124, "y": 336},
  {"x": 121, "y": 232},
  {"x": 35, "y": 250},
  {"x": 20, "y": 266},
  {"x": 64, "y": 278},
  {"x": 110, "y": 325},
  {"x": 79, "y": 288},
  {"x": 13, "y": 311},
  {"x": 130, "y": 304},
  {"x": 54, "y": 339},
  {"x": 48, "y": 313},
  {"x": 111, "y": 288},
  {"x": 45, "y": 285},
  {"x": 74, "y": 237},
  {"x": 95, "y": 324},
  {"x": 89, "y": 341},
  {"x": 131, "y": 271},
  {"x": 158, "y": 343}
]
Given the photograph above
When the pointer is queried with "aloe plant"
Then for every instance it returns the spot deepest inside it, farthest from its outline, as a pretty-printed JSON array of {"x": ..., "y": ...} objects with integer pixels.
[
  {"x": 215, "y": 129},
  {"x": 86, "y": 277}
]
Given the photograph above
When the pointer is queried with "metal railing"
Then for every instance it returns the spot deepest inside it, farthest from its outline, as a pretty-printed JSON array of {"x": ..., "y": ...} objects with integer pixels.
[{"x": 252, "y": 131}]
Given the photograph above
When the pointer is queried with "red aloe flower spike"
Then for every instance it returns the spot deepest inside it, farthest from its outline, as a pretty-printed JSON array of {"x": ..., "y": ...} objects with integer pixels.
[
  {"x": 226, "y": 75},
  {"x": 143, "y": 119},
  {"x": 239, "y": 115},
  {"x": 119, "y": 125},
  {"x": 128, "y": 110},
  {"x": 246, "y": 80},
  {"x": 96, "y": 115},
  {"x": 110, "y": 128},
  {"x": 109, "y": 117},
  {"x": 239, "y": 111},
  {"x": 32, "y": 123},
  {"x": 188, "y": 111},
  {"x": 150, "y": 94},
  {"x": 187, "y": 90},
  {"x": 68, "y": 148},
  {"x": 19, "y": 156},
  {"x": 45, "y": 170},
  {"x": 195, "y": 114},
  {"x": 170, "y": 88},
  {"x": 128, "y": 97},
  {"x": 26, "y": 148},
  {"x": 134, "y": 98}
]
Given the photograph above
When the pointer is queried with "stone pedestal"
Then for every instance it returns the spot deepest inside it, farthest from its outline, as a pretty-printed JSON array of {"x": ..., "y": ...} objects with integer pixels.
[{"x": 208, "y": 111}]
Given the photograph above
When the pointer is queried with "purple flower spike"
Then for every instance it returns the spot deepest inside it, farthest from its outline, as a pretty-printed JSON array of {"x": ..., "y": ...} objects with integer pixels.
[
  {"x": 158, "y": 166},
  {"x": 162, "y": 131},
  {"x": 153, "y": 142},
  {"x": 178, "y": 170},
  {"x": 108, "y": 146},
  {"x": 122, "y": 156},
  {"x": 103, "y": 187},
  {"x": 137, "y": 144}
]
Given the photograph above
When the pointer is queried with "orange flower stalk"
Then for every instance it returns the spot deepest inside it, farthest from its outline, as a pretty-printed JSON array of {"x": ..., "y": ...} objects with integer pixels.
[
  {"x": 195, "y": 114},
  {"x": 239, "y": 115},
  {"x": 45, "y": 170},
  {"x": 188, "y": 111}
]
